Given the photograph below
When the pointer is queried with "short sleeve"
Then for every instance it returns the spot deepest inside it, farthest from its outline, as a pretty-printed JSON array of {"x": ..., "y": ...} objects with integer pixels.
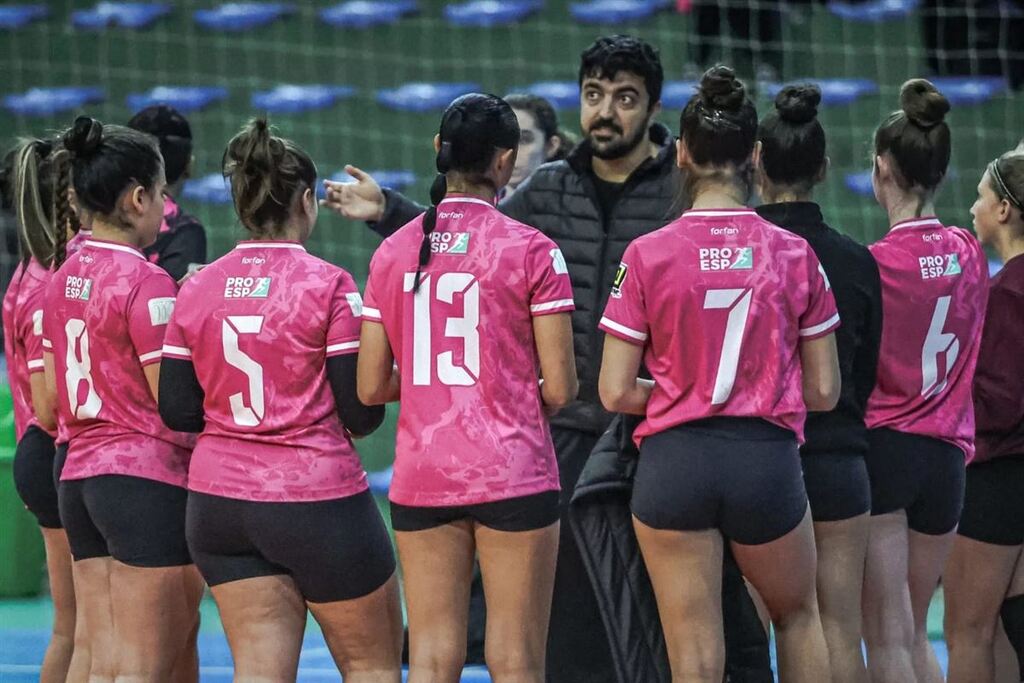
[
  {"x": 550, "y": 286},
  {"x": 30, "y": 328},
  {"x": 373, "y": 293},
  {"x": 625, "y": 316},
  {"x": 175, "y": 345},
  {"x": 345, "y": 318},
  {"x": 821, "y": 317},
  {"x": 148, "y": 313},
  {"x": 50, "y": 304}
]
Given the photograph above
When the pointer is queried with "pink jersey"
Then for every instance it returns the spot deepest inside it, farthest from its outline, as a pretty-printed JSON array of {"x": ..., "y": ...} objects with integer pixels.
[
  {"x": 721, "y": 300},
  {"x": 934, "y": 291},
  {"x": 258, "y": 324},
  {"x": 471, "y": 427},
  {"x": 74, "y": 245},
  {"x": 106, "y": 312},
  {"x": 23, "y": 323}
]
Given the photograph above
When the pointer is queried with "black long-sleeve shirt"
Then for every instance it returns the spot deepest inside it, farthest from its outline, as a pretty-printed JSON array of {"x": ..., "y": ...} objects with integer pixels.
[
  {"x": 857, "y": 287},
  {"x": 180, "y": 242}
]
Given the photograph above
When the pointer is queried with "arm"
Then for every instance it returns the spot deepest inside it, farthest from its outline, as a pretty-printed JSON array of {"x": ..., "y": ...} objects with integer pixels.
[
  {"x": 358, "y": 419},
  {"x": 377, "y": 379},
  {"x": 620, "y": 389},
  {"x": 43, "y": 400},
  {"x": 50, "y": 379},
  {"x": 553, "y": 336},
  {"x": 820, "y": 365},
  {"x": 179, "y": 395},
  {"x": 187, "y": 245}
]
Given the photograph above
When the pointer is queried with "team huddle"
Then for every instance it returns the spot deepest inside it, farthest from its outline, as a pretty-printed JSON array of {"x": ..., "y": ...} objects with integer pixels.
[{"x": 805, "y": 406}]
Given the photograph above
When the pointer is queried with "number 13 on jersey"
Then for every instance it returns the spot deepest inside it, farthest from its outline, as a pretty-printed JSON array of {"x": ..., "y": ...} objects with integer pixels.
[{"x": 465, "y": 328}]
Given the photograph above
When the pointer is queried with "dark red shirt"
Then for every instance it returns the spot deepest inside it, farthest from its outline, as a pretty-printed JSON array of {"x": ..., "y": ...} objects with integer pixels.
[{"x": 999, "y": 380}]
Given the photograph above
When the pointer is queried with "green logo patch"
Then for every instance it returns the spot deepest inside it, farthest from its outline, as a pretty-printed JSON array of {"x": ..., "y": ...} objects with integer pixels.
[{"x": 744, "y": 259}]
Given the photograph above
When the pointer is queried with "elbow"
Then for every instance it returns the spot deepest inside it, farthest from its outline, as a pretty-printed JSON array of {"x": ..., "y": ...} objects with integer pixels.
[
  {"x": 371, "y": 394},
  {"x": 365, "y": 423},
  {"x": 613, "y": 398},
  {"x": 180, "y": 422},
  {"x": 558, "y": 395},
  {"x": 822, "y": 396}
]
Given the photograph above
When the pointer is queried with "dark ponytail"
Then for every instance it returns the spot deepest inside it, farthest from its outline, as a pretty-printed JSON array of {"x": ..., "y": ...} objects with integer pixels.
[
  {"x": 65, "y": 217},
  {"x": 473, "y": 128},
  {"x": 266, "y": 173},
  {"x": 792, "y": 139},
  {"x": 917, "y": 137},
  {"x": 32, "y": 197}
]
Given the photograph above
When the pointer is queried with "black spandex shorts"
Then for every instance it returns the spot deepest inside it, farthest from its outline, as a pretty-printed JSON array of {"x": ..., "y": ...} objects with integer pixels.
[
  {"x": 139, "y": 522},
  {"x": 739, "y": 475},
  {"x": 33, "y": 476},
  {"x": 918, "y": 474},
  {"x": 333, "y": 549},
  {"x": 994, "y": 502},
  {"x": 525, "y": 513},
  {"x": 837, "y": 485},
  {"x": 59, "y": 458}
]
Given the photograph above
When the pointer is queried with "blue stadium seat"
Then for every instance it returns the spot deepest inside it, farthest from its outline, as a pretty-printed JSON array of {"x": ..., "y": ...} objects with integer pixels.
[
  {"x": 366, "y": 13},
  {"x": 17, "y": 16},
  {"x": 122, "y": 14},
  {"x": 210, "y": 189},
  {"x": 291, "y": 99},
  {"x": 834, "y": 91},
  {"x": 423, "y": 97},
  {"x": 242, "y": 16},
  {"x": 561, "y": 94},
  {"x": 617, "y": 11},
  {"x": 970, "y": 89},
  {"x": 396, "y": 179},
  {"x": 184, "y": 99},
  {"x": 49, "y": 101},
  {"x": 675, "y": 94},
  {"x": 873, "y": 10},
  {"x": 380, "y": 481},
  {"x": 486, "y": 13},
  {"x": 859, "y": 183}
]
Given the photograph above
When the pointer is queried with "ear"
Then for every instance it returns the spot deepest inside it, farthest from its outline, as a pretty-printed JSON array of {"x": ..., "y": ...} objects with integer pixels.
[
  {"x": 506, "y": 159},
  {"x": 1005, "y": 211},
  {"x": 823, "y": 171},
  {"x": 554, "y": 142},
  {"x": 682, "y": 154},
  {"x": 136, "y": 200},
  {"x": 655, "y": 109},
  {"x": 881, "y": 168},
  {"x": 755, "y": 155},
  {"x": 437, "y": 143}
]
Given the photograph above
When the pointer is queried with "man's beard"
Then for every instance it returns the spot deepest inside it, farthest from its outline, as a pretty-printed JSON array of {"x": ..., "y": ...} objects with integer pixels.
[{"x": 618, "y": 148}]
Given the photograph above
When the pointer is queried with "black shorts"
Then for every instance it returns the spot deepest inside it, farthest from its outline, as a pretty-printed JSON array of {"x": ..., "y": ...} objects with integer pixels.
[
  {"x": 837, "y": 485},
  {"x": 918, "y": 474},
  {"x": 994, "y": 502},
  {"x": 33, "y": 476},
  {"x": 333, "y": 549},
  {"x": 739, "y": 475},
  {"x": 139, "y": 522},
  {"x": 525, "y": 513},
  {"x": 60, "y": 457}
]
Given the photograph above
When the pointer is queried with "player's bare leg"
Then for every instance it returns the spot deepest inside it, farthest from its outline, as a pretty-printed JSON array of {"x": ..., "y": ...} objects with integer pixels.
[
  {"x": 842, "y": 548},
  {"x": 92, "y": 588},
  {"x": 686, "y": 573},
  {"x": 264, "y": 619},
  {"x": 437, "y": 569},
  {"x": 365, "y": 634},
  {"x": 783, "y": 572},
  {"x": 60, "y": 649},
  {"x": 927, "y": 558},
  {"x": 888, "y": 616},
  {"x": 518, "y": 571}
]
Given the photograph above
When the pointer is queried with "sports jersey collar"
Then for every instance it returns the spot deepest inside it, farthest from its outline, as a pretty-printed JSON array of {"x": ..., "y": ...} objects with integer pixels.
[
  {"x": 467, "y": 200},
  {"x": 113, "y": 246},
  {"x": 269, "y": 245},
  {"x": 926, "y": 222},
  {"x": 717, "y": 213}
]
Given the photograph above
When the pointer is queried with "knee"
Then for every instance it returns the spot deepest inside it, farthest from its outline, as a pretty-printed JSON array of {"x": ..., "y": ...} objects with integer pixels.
[
  {"x": 970, "y": 629},
  {"x": 794, "y": 608},
  {"x": 64, "y": 619},
  {"x": 700, "y": 659},
  {"x": 507, "y": 659},
  {"x": 438, "y": 657}
]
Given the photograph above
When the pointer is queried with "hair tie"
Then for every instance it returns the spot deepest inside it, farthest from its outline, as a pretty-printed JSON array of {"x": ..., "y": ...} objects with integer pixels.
[{"x": 993, "y": 169}]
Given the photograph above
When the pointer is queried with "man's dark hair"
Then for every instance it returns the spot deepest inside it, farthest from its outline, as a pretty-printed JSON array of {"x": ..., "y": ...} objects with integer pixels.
[{"x": 611, "y": 54}]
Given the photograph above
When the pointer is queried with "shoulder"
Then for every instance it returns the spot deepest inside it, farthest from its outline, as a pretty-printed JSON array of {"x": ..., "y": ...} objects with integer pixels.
[{"x": 553, "y": 176}]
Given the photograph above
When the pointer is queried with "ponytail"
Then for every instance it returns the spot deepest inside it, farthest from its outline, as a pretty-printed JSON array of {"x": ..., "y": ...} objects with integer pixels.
[
  {"x": 65, "y": 217},
  {"x": 33, "y": 181},
  {"x": 438, "y": 189}
]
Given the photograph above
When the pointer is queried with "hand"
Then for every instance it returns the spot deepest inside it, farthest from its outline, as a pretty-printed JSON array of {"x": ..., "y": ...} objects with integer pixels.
[
  {"x": 362, "y": 200},
  {"x": 193, "y": 268}
]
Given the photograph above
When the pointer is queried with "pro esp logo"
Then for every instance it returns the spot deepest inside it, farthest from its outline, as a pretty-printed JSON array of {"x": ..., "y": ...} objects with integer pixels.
[
  {"x": 942, "y": 265},
  {"x": 79, "y": 288},
  {"x": 726, "y": 258},
  {"x": 449, "y": 242},
  {"x": 247, "y": 288}
]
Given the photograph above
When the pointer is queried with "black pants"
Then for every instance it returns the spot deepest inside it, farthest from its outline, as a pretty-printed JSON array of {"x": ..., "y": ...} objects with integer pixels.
[{"x": 577, "y": 642}]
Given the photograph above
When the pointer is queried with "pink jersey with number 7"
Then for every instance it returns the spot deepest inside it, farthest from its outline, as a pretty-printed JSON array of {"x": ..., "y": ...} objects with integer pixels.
[
  {"x": 934, "y": 292},
  {"x": 720, "y": 300}
]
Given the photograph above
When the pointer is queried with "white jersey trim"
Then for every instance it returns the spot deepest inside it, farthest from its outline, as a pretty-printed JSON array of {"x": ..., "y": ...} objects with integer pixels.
[
  {"x": 918, "y": 223},
  {"x": 540, "y": 308},
  {"x": 152, "y": 355},
  {"x": 35, "y": 364},
  {"x": 269, "y": 245},
  {"x": 115, "y": 247},
  {"x": 818, "y": 329},
  {"x": 720, "y": 212},
  {"x": 343, "y": 346},
  {"x": 176, "y": 350},
  {"x": 628, "y": 331},
  {"x": 468, "y": 200},
  {"x": 371, "y": 313},
  {"x": 47, "y": 344}
]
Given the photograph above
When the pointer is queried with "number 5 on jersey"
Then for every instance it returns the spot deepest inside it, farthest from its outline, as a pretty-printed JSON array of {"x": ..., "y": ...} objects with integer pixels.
[
  {"x": 231, "y": 328},
  {"x": 464, "y": 328}
]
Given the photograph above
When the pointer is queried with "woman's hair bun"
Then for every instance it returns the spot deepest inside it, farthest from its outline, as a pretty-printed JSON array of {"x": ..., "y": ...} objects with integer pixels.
[
  {"x": 923, "y": 104},
  {"x": 798, "y": 103},
  {"x": 84, "y": 136},
  {"x": 720, "y": 89}
]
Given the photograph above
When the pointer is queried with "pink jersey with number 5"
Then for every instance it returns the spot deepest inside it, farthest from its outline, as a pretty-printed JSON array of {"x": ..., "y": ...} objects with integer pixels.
[
  {"x": 105, "y": 315},
  {"x": 471, "y": 428},
  {"x": 720, "y": 301},
  {"x": 934, "y": 291},
  {"x": 258, "y": 325}
]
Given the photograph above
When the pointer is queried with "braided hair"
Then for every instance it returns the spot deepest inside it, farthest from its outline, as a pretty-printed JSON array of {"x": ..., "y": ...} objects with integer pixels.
[{"x": 473, "y": 128}]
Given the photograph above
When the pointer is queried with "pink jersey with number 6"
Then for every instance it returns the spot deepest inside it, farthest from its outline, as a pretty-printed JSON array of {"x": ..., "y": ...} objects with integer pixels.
[
  {"x": 934, "y": 292},
  {"x": 720, "y": 300},
  {"x": 471, "y": 427}
]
